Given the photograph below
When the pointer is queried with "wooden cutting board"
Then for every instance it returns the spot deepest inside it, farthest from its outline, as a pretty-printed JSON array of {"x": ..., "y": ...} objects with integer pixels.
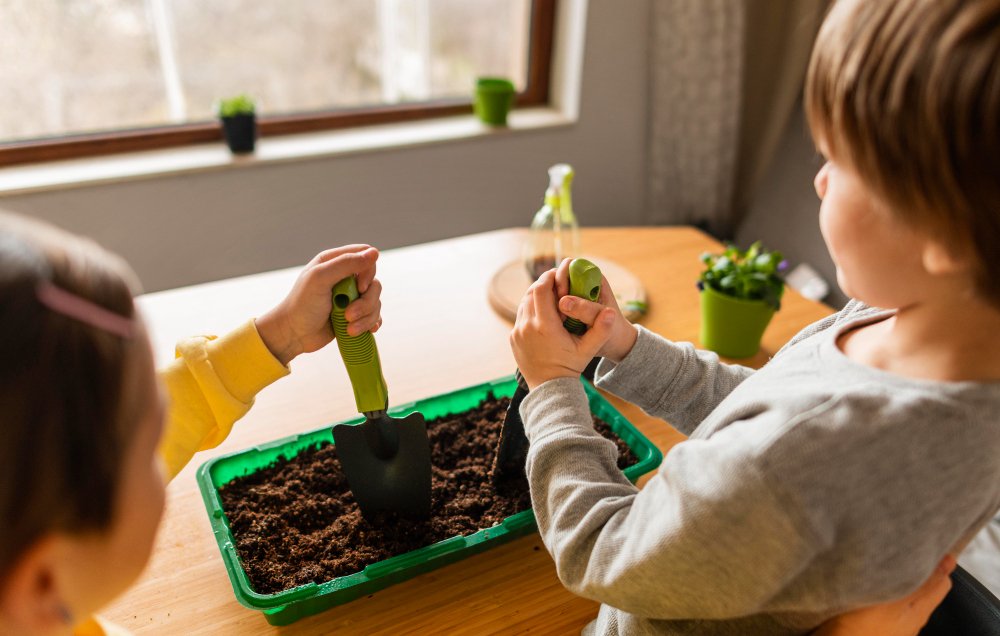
[{"x": 508, "y": 284}]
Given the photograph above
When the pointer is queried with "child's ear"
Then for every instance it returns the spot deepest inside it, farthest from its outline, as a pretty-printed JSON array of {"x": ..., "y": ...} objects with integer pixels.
[
  {"x": 29, "y": 597},
  {"x": 941, "y": 260}
]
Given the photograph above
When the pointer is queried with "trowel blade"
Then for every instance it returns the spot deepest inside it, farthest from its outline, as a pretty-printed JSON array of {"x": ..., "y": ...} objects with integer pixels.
[
  {"x": 387, "y": 462},
  {"x": 512, "y": 447}
]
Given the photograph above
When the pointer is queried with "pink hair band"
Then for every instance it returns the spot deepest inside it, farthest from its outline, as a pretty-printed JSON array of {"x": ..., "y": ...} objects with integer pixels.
[{"x": 72, "y": 306}]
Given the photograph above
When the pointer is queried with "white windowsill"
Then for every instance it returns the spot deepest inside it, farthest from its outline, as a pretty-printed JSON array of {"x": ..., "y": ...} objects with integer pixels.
[{"x": 201, "y": 158}]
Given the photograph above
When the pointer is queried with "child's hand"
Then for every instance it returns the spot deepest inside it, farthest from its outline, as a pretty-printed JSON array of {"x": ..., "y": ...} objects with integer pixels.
[
  {"x": 301, "y": 322},
  {"x": 623, "y": 333},
  {"x": 544, "y": 350},
  {"x": 905, "y": 617}
]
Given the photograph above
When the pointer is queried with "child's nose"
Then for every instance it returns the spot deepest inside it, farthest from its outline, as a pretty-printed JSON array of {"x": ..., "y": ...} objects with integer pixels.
[{"x": 820, "y": 181}]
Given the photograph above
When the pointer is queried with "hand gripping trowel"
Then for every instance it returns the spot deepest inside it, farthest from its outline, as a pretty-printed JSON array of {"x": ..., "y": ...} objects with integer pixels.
[
  {"x": 512, "y": 448},
  {"x": 387, "y": 460}
]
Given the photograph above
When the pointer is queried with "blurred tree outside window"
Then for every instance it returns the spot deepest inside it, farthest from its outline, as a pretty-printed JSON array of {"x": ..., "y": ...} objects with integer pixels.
[{"x": 70, "y": 67}]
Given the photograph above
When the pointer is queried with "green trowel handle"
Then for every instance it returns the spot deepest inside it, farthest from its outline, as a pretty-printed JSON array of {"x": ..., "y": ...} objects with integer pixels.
[
  {"x": 584, "y": 282},
  {"x": 359, "y": 353}
]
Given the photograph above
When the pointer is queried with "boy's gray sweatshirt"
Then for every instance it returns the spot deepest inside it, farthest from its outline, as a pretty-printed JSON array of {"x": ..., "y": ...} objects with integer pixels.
[{"x": 808, "y": 488}]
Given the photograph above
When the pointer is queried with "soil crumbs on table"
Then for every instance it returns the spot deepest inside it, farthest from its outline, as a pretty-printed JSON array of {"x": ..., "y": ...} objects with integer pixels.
[{"x": 296, "y": 521}]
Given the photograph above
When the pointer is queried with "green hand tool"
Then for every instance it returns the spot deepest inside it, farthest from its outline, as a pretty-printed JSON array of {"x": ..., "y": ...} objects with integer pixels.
[
  {"x": 512, "y": 447},
  {"x": 387, "y": 460}
]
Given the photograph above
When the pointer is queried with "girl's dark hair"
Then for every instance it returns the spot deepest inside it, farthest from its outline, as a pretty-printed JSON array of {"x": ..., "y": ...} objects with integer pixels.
[{"x": 63, "y": 437}]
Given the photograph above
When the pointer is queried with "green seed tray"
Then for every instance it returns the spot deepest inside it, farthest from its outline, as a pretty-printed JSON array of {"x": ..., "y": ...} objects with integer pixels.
[{"x": 291, "y": 605}]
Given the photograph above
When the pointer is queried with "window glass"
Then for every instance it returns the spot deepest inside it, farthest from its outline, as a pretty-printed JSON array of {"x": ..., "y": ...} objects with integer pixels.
[{"x": 77, "y": 66}]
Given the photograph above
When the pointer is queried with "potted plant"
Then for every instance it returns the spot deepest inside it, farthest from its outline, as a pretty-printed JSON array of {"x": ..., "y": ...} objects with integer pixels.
[
  {"x": 740, "y": 291},
  {"x": 239, "y": 123}
]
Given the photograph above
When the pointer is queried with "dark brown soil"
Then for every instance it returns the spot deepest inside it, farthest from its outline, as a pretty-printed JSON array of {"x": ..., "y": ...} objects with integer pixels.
[{"x": 297, "y": 522}]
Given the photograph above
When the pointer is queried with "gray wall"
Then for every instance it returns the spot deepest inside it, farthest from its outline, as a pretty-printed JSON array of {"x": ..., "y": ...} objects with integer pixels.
[
  {"x": 183, "y": 229},
  {"x": 784, "y": 212}
]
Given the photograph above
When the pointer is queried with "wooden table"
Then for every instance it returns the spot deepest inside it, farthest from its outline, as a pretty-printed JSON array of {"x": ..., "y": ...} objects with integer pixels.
[{"x": 439, "y": 334}]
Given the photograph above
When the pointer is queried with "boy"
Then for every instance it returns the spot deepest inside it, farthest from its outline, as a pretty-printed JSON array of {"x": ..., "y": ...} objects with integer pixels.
[{"x": 842, "y": 472}]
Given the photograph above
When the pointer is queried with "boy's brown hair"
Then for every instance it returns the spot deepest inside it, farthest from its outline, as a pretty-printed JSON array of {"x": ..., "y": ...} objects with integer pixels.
[
  {"x": 907, "y": 92},
  {"x": 65, "y": 403}
]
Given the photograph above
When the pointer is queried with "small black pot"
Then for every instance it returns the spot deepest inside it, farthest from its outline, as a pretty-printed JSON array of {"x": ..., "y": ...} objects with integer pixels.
[{"x": 240, "y": 132}]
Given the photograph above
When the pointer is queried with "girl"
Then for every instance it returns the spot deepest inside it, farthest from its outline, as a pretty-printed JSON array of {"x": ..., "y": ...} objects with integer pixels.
[{"x": 88, "y": 435}]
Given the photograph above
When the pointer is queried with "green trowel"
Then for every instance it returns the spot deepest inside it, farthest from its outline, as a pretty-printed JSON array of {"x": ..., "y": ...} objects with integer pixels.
[
  {"x": 512, "y": 448},
  {"x": 387, "y": 460}
]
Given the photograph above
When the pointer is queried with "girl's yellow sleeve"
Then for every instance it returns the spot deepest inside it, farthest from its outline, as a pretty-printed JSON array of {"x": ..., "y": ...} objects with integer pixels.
[{"x": 212, "y": 383}]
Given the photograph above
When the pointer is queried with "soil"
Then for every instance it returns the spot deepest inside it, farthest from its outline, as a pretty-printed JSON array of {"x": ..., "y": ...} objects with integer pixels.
[{"x": 296, "y": 521}]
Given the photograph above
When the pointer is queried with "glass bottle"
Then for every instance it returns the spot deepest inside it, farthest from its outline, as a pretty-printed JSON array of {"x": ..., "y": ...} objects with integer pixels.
[{"x": 554, "y": 233}]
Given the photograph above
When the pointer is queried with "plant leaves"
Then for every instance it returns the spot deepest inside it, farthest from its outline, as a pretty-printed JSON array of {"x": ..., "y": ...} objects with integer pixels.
[{"x": 751, "y": 275}]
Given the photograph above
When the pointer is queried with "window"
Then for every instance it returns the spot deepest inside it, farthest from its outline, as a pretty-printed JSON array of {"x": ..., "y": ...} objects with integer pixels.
[{"x": 89, "y": 77}]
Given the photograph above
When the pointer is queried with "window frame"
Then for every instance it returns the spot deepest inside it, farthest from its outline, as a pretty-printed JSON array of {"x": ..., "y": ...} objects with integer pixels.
[{"x": 77, "y": 146}]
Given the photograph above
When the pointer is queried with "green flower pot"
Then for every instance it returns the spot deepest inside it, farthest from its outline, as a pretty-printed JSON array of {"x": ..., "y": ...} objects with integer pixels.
[
  {"x": 730, "y": 326},
  {"x": 493, "y": 99}
]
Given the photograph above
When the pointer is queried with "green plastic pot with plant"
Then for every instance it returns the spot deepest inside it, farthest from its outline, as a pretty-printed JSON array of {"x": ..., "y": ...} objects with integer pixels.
[
  {"x": 740, "y": 291},
  {"x": 239, "y": 123}
]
